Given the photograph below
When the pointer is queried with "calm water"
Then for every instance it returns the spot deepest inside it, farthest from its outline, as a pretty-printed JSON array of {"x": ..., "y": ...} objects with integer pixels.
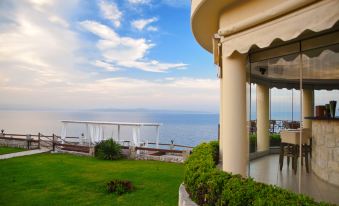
[{"x": 187, "y": 129}]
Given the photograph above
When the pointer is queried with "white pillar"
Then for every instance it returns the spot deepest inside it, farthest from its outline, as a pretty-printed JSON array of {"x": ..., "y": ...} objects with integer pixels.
[
  {"x": 103, "y": 132},
  {"x": 263, "y": 122},
  {"x": 158, "y": 137},
  {"x": 118, "y": 132},
  {"x": 87, "y": 134},
  {"x": 138, "y": 135},
  {"x": 308, "y": 105},
  {"x": 134, "y": 136},
  {"x": 234, "y": 134},
  {"x": 91, "y": 132}
]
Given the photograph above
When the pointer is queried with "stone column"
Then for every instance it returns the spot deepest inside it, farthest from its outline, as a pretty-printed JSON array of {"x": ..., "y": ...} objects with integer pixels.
[
  {"x": 234, "y": 134},
  {"x": 263, "y": 122},
  {"x": 308, "y": 105}
]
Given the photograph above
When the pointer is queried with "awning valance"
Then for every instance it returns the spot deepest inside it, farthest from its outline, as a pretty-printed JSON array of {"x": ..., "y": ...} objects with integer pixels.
[{"x": 317, "y": 17}]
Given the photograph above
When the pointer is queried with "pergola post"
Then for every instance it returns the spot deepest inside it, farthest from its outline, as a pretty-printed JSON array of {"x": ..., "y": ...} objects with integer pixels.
[
  {"x": 157, "y": 137},
  {"x": 308, "y": 104},
  {"x": 63, "y": 132},
  {"x": 234, "y": 134},
  {"x": 139, "y": 135},
  {"x": 263, "y": 122},
  {"x": 118, "y": 132},
  {"x": 87, "y": 134}
]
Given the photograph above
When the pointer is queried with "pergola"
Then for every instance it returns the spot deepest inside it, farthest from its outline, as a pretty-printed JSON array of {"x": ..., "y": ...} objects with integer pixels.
[{"x": 95, "y": 131}]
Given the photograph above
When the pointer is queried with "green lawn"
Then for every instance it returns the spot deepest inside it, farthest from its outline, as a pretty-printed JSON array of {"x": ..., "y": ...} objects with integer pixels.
[
  {"x": 62, "y": 179},
  {"x": 7, "y": 150}
]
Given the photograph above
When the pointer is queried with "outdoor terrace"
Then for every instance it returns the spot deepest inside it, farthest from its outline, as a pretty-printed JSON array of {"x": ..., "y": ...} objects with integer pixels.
[{"x": 266, "y": 170}]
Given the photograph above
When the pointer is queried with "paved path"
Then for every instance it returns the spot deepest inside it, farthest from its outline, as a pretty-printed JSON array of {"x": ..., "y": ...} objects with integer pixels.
[{"x": 25, "y": 153}]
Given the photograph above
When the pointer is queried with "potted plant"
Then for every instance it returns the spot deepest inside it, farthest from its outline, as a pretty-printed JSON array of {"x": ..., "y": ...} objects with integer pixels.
[
  {"x": 327, "y": 110},
  {"x": 333, "y": 105}
]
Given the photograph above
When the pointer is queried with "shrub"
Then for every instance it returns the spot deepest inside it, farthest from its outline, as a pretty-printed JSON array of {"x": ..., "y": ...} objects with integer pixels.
[
  {"x": 274, "y": 141},
  {"x": 119, "y": 187},
  {"x": 208, "y": 185},
  {"x": 108, "y": 150},
  {"x": 253, "y": 142}
]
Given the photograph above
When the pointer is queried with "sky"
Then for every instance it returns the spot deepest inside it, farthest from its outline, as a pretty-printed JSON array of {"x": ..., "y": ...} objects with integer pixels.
[{"x": 88, "y": 54}]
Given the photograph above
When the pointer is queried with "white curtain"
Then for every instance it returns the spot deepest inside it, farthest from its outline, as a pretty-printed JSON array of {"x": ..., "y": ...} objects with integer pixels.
[{"x": 64, "y": 131}]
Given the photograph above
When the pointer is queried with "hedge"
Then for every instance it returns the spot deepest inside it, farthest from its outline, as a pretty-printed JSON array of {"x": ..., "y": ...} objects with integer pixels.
[{"x": 208, "y": 185}]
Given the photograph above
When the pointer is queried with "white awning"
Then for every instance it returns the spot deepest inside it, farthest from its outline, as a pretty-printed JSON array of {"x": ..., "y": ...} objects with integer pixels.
[
  {"x": 317, "y": 17},
  {"x": 111, "y": 123}
]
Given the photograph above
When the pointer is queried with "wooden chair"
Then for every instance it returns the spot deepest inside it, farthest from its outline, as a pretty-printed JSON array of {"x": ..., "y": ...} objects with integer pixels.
[{"x": 292, "y": 151}]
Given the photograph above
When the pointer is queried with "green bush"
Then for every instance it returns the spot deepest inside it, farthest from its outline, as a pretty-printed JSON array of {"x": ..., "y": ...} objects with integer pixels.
[
  {"x": 253, "y": 142},
  {"x": 119, "y": 187},
  {"x": 108, "y": 150},
  {"x": 274, "y": 141},
  {"x": 208, "y": 185},
  {"x": 275, "y": 136}
]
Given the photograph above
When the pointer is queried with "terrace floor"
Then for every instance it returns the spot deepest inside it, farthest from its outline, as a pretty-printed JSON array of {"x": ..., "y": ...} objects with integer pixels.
[{"x": 266, "y": 170}]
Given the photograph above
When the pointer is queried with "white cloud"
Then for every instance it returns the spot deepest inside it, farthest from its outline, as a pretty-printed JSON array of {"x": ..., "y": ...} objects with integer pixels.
[
  {"x": 100, "y": 30},
  {"x": 42, "y": 58},
  {"x": 177, "y": 3},
  {"x": 105, "y": 65},
  {"x": 140, "y": 24},
  {"x": 152, "y": 28},
  {"x": 153, "y": 66},
  {"x": 139, "y": 1},
  {"x": 58, "y": 20},
  {"x": 114, "y": 47},
  {"x": 111, "y": 11},
  {"x": 125, "y": 51},
  {"x": 171, "y": 3},
  {"x": 36, "y": 44},
  {"x": 42, "y": 2},
  {"x": 122, "y": 92}
]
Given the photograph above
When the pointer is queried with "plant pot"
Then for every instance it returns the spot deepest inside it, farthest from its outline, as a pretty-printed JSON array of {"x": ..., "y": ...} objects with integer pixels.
[
  {"x": 275, "y": 142},
  {"x": 333, "y": 105},
  {"x": 319, "y": 111},
  {"x": 327, "y": 112}
]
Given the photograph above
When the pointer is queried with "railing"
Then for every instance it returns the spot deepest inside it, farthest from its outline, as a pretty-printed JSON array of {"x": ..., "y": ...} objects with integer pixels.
[
  {"x": 276, "y": 125},
  {"x": 55, "y": 142},
  {"x": 172, "y": 145}
]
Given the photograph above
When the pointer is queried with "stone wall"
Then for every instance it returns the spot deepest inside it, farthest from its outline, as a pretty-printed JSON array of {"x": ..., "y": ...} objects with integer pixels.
[
  {"x": 163, "y": 158},
  {"x": 184, "y": 198},
  {"x": 131, "y": 153},
  {"x": 325, "y": 154}
]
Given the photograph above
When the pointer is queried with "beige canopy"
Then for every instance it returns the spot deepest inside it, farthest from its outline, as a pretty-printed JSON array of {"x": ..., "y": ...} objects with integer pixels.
[{"x": 317, "y": 17}]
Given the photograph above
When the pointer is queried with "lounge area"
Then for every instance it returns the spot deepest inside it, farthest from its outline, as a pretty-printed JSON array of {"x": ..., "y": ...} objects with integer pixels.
[
  {"x": 266, "y": 170},
  {"x": 308, "y": 155}
]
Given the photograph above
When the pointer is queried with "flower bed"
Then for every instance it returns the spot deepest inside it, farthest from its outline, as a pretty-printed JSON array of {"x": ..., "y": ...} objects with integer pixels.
[{"x": 208, "y": 185}]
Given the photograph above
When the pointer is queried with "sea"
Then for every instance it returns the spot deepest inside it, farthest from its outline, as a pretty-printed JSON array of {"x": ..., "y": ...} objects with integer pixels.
[{"x": 183, "y": 128}]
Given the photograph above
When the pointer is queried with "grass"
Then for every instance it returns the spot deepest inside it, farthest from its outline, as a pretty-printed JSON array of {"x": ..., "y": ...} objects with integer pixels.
[
  {"x": 63, "y": 179},
  {"x": 7, "y": 150}
]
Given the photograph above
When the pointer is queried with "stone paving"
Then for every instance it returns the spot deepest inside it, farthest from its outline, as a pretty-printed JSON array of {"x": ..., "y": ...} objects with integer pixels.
[{"x": 24, "y": 153}]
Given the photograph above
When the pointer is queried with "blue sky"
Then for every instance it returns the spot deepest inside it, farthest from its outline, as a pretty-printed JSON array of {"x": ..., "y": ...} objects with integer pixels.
[
  {"x": 173, "y": 40},
  {"x": 73, "y": 54}
]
